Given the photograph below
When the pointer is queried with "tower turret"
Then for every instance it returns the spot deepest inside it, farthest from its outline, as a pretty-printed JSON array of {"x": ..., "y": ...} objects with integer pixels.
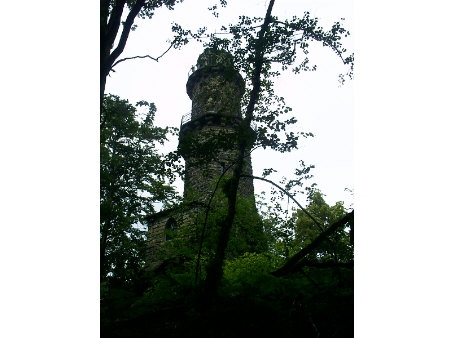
[
  {"x": 215, "y": 86},
  {"x": 208, "y": 138},
  {"x": 208, "y": 142}
]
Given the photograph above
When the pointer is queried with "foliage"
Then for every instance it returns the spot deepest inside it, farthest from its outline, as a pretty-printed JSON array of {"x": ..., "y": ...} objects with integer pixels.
[
  {"x": 262, "y": 48},
  {"x": 276, "y": 212},
  {"x": 289, "y": 234},
  {"x": 317, "y": 301},
  {"x": 281, "y": 46},
  {"x": 280, "y": 49},
  {"x": 338, "y": 247},
  {"x": 133, "y": 177},
  {"x": 252, "y": 302},
  {"x": 250, "y": 264},
  {"x": 247, "y": 235}
]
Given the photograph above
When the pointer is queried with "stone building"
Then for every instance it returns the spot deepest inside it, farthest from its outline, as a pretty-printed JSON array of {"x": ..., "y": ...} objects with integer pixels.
[{"x": 208, "y": 144}]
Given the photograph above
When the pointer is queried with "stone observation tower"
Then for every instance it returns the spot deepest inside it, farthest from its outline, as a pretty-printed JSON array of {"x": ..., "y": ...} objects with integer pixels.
[
  {"x": 208, "y": 142},
  {"x": 208, "y": 134}
]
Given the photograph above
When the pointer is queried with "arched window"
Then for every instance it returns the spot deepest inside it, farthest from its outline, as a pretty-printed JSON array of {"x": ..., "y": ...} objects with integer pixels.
[{"x": 171, "y": 225}]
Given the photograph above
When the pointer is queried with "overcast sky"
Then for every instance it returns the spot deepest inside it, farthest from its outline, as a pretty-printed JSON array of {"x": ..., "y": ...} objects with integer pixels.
[{"x": 319, "y": 104}]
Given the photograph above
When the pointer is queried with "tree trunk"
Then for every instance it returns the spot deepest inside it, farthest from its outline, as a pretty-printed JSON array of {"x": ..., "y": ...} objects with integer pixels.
[
  {"x": 108, "y": 33},
  {"x": 215, "y": 269},
  {"x": 103, "y": 250}
]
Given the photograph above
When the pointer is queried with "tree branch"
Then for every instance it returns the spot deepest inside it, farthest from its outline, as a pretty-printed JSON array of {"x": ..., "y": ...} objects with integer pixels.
[
  {"x": 208, "y": 207},
  {"x": 125, "y": 32},
  {"x": 215, "y": 270},
  {"x": 287, "y": 57},
  {"x": 104, "y": 14},
  {"x": 292, "y": 197},
  {"x": 325, "y": 264},
  {"x": 259, "y": 56},
  {"x": 144, "y": 56},
  {"x": 292, "y": 265},
  {"x": 113, "y": 24}
]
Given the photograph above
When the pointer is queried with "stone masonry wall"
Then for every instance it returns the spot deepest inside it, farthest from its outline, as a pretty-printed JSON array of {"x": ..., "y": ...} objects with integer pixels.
[
  {"x": 156, "y": 234},
  {"x": 203, "y": 171},
  {"x": 213, "y": 92}
]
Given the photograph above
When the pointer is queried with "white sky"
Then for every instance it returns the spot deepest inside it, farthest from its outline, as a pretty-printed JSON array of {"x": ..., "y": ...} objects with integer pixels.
[{"x": 319, "y": 104}]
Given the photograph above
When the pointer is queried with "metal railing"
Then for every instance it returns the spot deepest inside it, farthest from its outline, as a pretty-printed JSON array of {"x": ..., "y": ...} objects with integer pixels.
[
  {"x": 192, "y": 70},
  {"x": 186, "y": 118}
]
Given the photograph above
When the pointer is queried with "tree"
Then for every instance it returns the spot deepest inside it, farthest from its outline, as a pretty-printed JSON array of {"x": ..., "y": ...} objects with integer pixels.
[
  {"x": 133, "y": 177},
  {"x": 339, "y": 246},
  {"x": 257, "y": 48},
  {"x": 290, "y": 235},
  {"x": 111, "y": 12}
]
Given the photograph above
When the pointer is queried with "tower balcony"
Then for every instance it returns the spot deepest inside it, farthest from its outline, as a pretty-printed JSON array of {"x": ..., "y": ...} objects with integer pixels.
[{"x": 212, "y": 118}]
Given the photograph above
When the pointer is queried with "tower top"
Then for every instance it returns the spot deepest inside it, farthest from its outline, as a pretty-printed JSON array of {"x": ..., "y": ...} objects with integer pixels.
[
  {"x": 215, "y": 57},
  {"x": 214, "y": 61}
]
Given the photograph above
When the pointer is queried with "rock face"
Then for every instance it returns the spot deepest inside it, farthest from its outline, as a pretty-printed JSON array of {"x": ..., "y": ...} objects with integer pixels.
[{"x": 208, "y": 138}]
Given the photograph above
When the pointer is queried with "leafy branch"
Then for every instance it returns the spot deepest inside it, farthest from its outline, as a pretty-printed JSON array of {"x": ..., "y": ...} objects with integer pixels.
[
  {"x": 294, "y": 263},
  {"x": 290, "y": 196}
]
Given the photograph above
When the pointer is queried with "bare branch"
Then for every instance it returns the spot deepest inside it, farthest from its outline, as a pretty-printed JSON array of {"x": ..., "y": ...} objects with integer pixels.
[
  {"x": 292, "y": 197},
  {"x": 144, "y": 56}
]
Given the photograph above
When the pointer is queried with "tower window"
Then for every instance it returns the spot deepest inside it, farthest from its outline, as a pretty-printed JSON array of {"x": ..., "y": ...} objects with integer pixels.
[{"x": 171, "y": 226}]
